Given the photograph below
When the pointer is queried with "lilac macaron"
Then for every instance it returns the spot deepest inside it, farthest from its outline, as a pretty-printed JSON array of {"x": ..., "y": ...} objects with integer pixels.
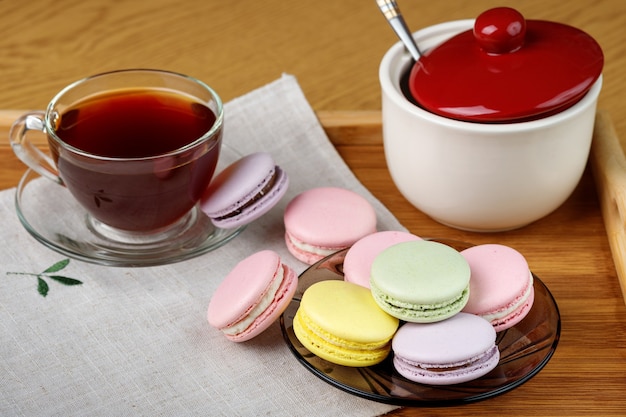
[
  {"x": 452, "y": 351},
  {"x": 244, "y": 191}
]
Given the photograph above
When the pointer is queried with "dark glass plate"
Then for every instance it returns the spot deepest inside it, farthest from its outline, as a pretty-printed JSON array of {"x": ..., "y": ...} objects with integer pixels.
[{"x": 524, "y": 350}]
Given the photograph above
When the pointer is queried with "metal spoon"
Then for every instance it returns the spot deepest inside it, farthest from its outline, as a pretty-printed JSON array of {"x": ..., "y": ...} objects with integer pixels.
[{"x": 391, "y": 11}]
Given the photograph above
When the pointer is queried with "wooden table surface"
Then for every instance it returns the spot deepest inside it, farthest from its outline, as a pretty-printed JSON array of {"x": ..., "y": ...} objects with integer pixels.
[{"x": 334, "y": 48}]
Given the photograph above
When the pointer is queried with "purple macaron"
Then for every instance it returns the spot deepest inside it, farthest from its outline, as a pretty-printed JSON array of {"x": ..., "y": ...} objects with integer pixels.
[
  {"x": 452, "y": 351},
  {"x": 244, "y": 191}
]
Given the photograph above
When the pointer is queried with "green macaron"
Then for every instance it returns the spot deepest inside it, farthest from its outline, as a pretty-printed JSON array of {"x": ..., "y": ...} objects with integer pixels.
[{"x": 420, "y": 281}]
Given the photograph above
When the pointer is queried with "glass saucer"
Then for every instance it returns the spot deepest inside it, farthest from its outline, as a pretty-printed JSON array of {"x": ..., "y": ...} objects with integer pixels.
[
  {"x": 524, "y": 350},
  {"x": 52, "y": 216}
]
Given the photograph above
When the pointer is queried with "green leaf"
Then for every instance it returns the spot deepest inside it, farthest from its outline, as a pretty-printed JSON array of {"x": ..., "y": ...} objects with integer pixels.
[
  {"x": 65, "y": 280},
  {"x": 42, "y": 287},
  {"x": 57, "y": 266}
]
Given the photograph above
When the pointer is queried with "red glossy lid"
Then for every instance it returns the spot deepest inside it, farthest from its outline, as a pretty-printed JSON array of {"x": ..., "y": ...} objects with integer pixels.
[{"x": 507, "y": 70}]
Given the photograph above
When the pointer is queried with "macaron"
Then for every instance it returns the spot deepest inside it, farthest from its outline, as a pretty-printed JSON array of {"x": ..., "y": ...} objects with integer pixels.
[
  {"x": 357, "y": 263},
  {"x": 420, "y": 281},
  {"x": 501, "y": 285},
  {"x": 340, "y": 322},
  {"x": 456, "y": 350},
  {"x": 322, "y": 221},
  {"x": 252, "y": 296},
  {"x": 244, "y": 191}
]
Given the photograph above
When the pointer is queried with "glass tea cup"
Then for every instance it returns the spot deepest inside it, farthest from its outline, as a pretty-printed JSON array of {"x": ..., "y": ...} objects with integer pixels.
[{"x": 135, "y": 148}]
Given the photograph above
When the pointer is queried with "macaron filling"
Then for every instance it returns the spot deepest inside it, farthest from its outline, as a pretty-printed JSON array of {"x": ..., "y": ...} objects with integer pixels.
[
  {"x": 273, "y": 292},
  {"x": 408, "y": 310},
  {"x": 508, "y": 311},
  {"x": 320, "y": 251},
  {"x": 432, "y": 370}
]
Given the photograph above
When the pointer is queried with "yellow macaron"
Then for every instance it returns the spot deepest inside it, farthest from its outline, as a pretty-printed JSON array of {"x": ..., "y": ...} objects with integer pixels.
[{"x": 341, "y": 323}]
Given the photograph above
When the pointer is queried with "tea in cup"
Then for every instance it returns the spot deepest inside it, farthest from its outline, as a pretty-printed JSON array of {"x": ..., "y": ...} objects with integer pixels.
[{"x": 135, "y": 148}]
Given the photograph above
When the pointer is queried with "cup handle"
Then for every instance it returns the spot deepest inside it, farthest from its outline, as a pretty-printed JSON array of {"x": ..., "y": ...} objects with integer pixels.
[{"x": 27, "y": 152}]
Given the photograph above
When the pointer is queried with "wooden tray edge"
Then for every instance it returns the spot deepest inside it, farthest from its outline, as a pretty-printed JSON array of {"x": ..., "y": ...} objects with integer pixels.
[{"x": 608, "y": 164}]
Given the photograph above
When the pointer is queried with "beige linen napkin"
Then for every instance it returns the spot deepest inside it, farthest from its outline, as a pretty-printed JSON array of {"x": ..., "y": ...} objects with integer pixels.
[{"x": 135, "y": 341}]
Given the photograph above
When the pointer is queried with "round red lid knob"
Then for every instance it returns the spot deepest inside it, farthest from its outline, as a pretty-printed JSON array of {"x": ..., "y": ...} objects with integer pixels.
[{"x": 500, "y": 30}]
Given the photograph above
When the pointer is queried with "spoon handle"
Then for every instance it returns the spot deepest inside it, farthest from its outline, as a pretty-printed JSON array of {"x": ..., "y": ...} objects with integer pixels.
[{"x": 391, "y": 11}]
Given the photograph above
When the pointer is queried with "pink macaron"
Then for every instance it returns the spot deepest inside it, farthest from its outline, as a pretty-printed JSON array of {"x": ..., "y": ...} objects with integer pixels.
[
  {"x": 501, "y": 285},
  {"x": 321, "y": 221},
  {"x": 358, "y": 261},
  {"x": 252, "y": 296},
  {"x": 244, "y": 191}
]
